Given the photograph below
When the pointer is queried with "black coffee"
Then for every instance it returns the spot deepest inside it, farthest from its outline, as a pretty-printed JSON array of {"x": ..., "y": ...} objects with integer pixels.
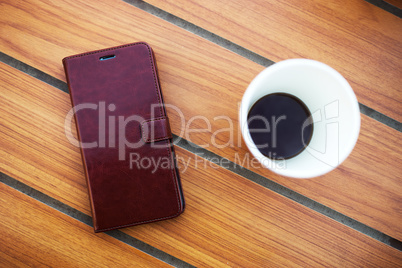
[{"x": 280, "y": 125}]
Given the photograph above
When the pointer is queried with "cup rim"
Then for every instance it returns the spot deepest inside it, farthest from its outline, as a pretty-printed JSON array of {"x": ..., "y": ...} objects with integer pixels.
[{"x": 246, "y": 105}]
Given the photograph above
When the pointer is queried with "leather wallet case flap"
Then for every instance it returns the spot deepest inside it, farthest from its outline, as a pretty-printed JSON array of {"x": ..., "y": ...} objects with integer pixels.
[{"x": 156, "y": 129}]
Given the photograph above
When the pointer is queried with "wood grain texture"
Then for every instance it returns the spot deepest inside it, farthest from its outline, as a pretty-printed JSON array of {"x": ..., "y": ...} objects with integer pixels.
[
  {"x": 397, "y": 3},
  {"x": 197, "y": 77},
  {"x": 205, "y": 82},
  {"x": 229, "y": 220},
  {"x": 35, "y": 235},
  {"x": 360, "y": 40}
]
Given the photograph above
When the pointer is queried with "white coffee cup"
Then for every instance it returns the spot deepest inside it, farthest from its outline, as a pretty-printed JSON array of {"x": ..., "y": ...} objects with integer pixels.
[{"x": 333, "y": 106}]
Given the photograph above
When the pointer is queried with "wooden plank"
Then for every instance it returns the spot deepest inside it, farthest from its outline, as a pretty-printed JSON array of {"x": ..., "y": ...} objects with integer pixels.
[
  {"x": 396, "y": 3},
  {"x": 360, "y": 40},
  {"x": 229, "y": 220},
  {"x": 34, "y": 235},
  {"x": 367, "y": 36},
  {"x": 202, "y": 79}
]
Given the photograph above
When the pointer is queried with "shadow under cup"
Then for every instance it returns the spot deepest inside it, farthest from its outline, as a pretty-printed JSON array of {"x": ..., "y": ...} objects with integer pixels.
[{"x": 333, "y": 107}]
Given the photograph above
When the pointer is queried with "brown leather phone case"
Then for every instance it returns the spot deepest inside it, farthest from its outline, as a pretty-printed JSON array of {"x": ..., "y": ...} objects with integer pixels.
[{"x": 124, "y": 136}]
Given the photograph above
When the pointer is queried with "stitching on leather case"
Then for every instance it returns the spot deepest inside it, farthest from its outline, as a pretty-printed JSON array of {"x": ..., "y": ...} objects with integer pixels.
[
  {"x": 138, "y": 223},
  {"x": 157, "y": 90},
  {"x": 103, "y": 50},
  {"x": 174, "y": 178},
  {"x": 158, "y": 139}
]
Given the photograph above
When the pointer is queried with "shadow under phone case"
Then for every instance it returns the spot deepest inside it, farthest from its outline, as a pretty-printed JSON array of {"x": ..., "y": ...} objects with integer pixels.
[{"x": 124, "y": 136}]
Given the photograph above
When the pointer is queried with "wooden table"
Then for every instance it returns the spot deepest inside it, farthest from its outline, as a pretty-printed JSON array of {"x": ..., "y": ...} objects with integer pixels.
[{"x": 238, "y": 214}]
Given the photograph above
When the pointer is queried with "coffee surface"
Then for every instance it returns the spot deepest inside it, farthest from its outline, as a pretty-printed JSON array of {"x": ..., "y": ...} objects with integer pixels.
[{"x": 280, "y": 125}]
